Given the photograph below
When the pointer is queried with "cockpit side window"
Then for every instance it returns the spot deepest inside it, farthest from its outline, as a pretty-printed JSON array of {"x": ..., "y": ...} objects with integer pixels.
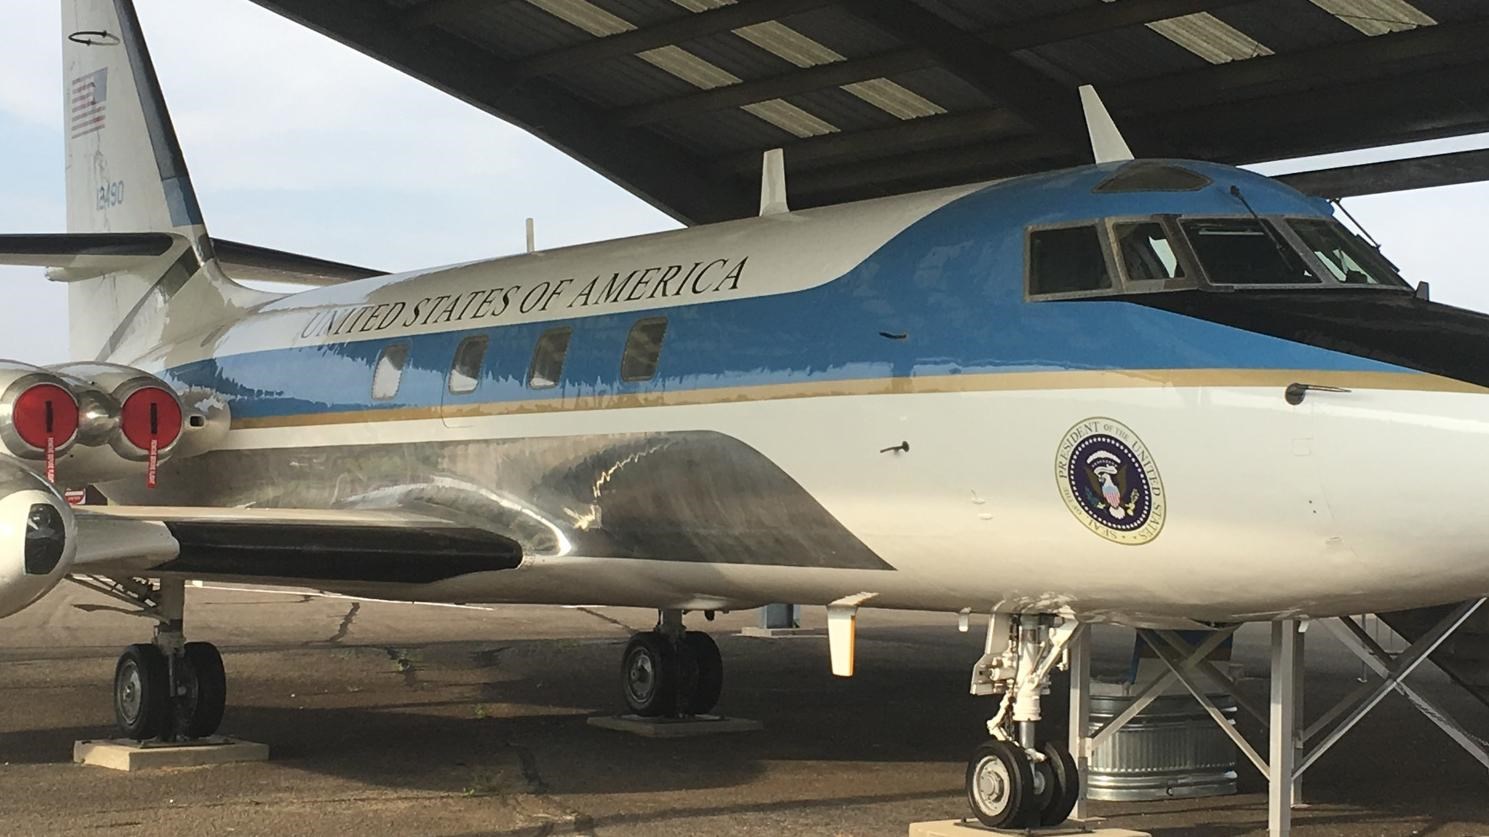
[
  {"x": 1349, "y": 260},
  {"x": 1145, "y": 252},
  {"x": 1067, "y": 260},
  {"x": 1246, "y": 251}
]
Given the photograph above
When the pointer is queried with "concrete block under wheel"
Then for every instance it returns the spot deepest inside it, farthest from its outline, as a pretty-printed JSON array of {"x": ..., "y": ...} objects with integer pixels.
[
  {"x": 674, "y": 727},
  {"x": 973, "y": 828},
  {"x": 127, "y": 755},
  {"x": 780, "y": 633}
]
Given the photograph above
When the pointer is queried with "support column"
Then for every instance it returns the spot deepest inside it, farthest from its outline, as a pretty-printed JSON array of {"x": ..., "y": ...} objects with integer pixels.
[
  {"x": 780, "y": 616},
  {"x": 1299, "y": 711},
  {"x": 1281, "y": 732},
  {"x": 1080, "y": 714}
]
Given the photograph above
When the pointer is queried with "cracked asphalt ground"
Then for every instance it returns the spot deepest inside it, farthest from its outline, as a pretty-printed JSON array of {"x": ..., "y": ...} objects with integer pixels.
[{"x": 392, "y": 718}]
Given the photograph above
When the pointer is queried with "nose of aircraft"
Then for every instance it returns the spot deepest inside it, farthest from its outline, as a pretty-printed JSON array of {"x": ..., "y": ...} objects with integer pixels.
[{"x": 1405, "y": 474}]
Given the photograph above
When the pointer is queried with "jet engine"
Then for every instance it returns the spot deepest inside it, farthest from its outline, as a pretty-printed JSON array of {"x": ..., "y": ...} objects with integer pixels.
[
  {"x": 38, "y": 537},
  {"x": 131, "y": 422},
  {"x": 39, "y": 416}
]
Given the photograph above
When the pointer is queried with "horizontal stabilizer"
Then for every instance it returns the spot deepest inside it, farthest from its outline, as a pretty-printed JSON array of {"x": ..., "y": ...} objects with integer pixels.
[
  {"x": 254, "y": 263},
  {"x": 73, "y": 257},
  {"x": 76, "y": 256}
]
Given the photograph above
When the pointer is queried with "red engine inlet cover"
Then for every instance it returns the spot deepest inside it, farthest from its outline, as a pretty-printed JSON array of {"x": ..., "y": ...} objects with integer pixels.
[
  {"x": 46, "y": 410},
  {"x": 150, "y": 413}
]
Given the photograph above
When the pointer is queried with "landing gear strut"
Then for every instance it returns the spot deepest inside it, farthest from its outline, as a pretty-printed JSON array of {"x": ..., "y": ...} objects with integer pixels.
[
  {"x": 1014, "y": 781},
  {"x": 169, "y": 689},
  {"x": 671, "y": 672}
]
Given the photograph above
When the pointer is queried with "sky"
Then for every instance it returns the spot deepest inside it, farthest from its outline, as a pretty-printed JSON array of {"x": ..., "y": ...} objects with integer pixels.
[{"x": 298, "y": 143}]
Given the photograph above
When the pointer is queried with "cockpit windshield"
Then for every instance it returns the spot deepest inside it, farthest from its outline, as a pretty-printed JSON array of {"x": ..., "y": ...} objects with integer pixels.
[
  {"x": 1115, "y": 256},
  {"x": 1246, "y": 251},
  {"x": 1344, "y": 255}
]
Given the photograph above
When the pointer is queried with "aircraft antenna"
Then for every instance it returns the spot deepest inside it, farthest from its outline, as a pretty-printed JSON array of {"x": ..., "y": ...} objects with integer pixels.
[
  {"x": 773, "y": 183},
  {"x": 532, "y": 238},
  {"x": 1107, "y": 144}
]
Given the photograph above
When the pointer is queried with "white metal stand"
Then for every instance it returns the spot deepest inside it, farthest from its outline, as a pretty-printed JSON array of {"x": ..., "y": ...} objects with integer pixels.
[{"x": 1287, "y": 759}]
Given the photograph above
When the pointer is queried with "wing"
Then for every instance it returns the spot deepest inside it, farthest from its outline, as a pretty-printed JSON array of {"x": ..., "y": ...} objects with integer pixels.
[
  {"x": 292, "y": 545},
  {"x": 1122, "y": 482}
]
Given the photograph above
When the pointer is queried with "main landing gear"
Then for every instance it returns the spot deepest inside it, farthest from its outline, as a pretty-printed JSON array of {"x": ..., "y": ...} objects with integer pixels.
[
  {"x": 1014, "y": 780},
  {"x": 169, "y": 689},
  {"x": 671, "y": 672}
]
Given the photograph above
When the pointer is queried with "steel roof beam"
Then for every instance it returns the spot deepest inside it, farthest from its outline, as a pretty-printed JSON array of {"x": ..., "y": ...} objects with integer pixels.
[
  {"x": 1011, "y": 37},
  {"x": 678, "y": 30},
  {"x": 1393, "y": 175},
  {"x": 663, "y": 173}
]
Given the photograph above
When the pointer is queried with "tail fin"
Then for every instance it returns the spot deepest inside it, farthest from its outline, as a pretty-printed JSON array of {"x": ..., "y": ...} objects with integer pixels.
[{"x": 126, "y": 174}]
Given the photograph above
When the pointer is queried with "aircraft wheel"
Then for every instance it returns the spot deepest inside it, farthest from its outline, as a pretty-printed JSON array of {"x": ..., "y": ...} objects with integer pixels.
[
  {"x": 200, "y": 708},
  {"x": 1000, "y": 786},
  {"x": 648, "y": 675},
  {"x": 709, "y": 665},
  {"x": 1067, "y": 785},
  {"x": 142, "y": 692}
]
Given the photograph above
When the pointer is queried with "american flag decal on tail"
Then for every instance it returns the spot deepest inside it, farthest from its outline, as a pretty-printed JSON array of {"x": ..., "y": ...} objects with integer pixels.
[{"x": 88, "y": 98}]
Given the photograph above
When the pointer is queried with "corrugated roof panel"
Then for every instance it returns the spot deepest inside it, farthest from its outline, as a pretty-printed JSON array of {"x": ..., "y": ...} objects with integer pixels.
[
  {"x": 1287, "y": 25},
  {"x": 1377, "y": 17},
  {"x": 843, "y": 32},
  {"x": 1121, "y": 55},
  {"x": 641, "y": 13},
  {"x": 514, "y": 30},
  {"x": 1210, "y": 38},
  {"x": 621, "y": 83},
  {"x": 945, "y": 88},
  {"x": 685, "y": 65},
  {"x": 1452, "y": 11},
  {"x": 724, "y": 132},
  {"x": 988, "y": 14},
  {"x": 844, "y": 109}
]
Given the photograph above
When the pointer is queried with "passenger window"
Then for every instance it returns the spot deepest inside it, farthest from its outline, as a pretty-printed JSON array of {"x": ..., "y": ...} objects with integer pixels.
[
  {"x": 1147, "y": 255},
  {"x": 388, "y": 373},
  {"x": 643, "y": 349},
  {"x": 1245, "y": 251},
  {"x": 1067, "y": 260},
  {"x": 548, "y": 358},
  {"x": 465, "y": 370}
]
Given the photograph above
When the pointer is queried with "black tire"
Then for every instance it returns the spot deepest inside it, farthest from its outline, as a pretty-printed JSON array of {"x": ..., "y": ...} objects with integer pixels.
[
  {"x": 199, "y": 711},
  {"x": 1067, "y": 785},
  {"x": 648, "y": 675},
  {"x": 1000, "y": 786},
  {"x": 710, "y": 668},
  {"x": 142, "y": 693}
]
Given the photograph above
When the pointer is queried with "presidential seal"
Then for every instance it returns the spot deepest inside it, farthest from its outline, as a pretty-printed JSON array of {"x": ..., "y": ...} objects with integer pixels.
[{"x": 1109, "y": 481}]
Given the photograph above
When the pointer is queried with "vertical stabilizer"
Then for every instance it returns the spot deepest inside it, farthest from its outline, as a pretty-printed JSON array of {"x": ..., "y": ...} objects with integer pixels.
[
  {"x": 126, "y": 173},
  {"x": 1107, "y": 144}
]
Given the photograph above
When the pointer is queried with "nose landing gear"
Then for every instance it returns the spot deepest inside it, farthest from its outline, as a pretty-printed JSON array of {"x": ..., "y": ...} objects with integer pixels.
[
  {"x": 1012, "y": 780},
  {"x": 671, "y": 672}
]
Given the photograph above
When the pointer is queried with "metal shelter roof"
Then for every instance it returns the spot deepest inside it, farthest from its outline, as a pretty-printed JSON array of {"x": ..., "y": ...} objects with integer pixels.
[{"x": 677, "y": 99}]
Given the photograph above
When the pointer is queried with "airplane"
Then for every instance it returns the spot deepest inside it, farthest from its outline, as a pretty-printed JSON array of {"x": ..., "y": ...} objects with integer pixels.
[{"x": 1147, "y": 392}]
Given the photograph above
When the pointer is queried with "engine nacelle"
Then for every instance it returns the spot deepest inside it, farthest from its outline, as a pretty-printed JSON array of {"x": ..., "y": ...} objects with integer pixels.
[
  {"x": 39, "y": 416},
  {"x": 38, "y": 538},
  {"x": 131, "y": 420}
]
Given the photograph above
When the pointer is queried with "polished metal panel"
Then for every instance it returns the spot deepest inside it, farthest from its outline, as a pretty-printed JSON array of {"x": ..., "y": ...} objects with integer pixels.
[{"x": 694, "y": 496}]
